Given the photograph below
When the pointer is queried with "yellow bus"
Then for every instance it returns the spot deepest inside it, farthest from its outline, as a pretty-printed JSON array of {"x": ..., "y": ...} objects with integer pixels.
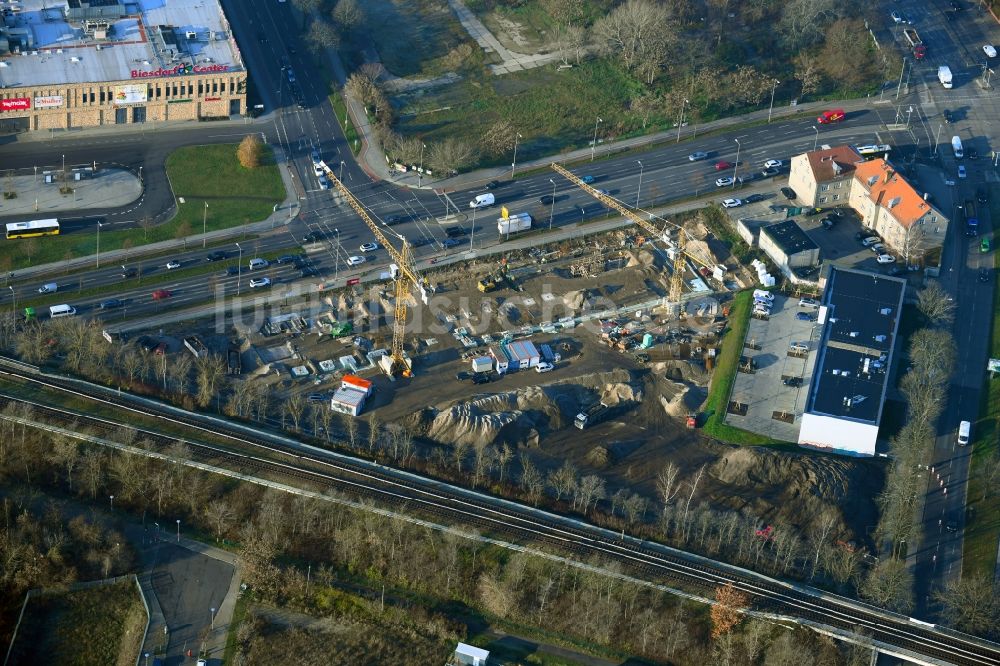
[{"x": 33, "y": 228}]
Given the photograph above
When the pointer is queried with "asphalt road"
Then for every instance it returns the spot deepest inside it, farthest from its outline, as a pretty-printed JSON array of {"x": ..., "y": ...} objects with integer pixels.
[{"x": 955, "y": 39}]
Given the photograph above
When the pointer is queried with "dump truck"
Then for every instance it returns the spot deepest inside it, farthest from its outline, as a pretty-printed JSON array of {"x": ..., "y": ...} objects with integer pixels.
[
  {"x": 593, "y": 414},
  {"x": 919, "y": 48}
]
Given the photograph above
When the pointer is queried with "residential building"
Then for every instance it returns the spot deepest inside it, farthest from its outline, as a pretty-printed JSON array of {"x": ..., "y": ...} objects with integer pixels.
[
  {"x": 85, "y": 63},
  {"x": 822, "y": 178},
  {"x": 890, "y": 206},
  {"x": 859, "y": 320}
]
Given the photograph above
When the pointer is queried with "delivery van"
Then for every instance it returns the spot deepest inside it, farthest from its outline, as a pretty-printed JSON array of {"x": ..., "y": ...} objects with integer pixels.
[
  {"x": 48, "y": 288},
  {"x": 964, "y": 430},
  {"x": 832, "y": 116},
  {"x": 956, "y": 146},
  {"x": 483, "y": 200},
  {"x": 61, "y": 311}
]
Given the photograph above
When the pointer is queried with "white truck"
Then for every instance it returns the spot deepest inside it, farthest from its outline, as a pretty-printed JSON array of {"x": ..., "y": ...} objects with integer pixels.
[
  {"x": 513, "y": 223},
  {"x": 944, "y": 76}
]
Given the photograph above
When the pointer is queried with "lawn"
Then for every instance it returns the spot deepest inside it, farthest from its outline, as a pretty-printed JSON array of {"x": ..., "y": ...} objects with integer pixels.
[
  {"x": 198, "y": 174},
  {"x": 413, "y": 37},
  {"x": 982, "y": 528},
  {"x": 98, "y": 626},
  {"x": 725, "y": 374}
]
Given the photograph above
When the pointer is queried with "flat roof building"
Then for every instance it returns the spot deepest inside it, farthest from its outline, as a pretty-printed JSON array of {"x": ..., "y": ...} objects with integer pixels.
[
  {"x": 859, "y": 315},
  {"x": 788, "y": 246},
  {"x": 83, "y": 63}
]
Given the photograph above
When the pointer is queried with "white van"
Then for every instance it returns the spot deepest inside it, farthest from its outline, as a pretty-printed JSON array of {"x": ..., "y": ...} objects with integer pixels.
[
  {"x": 259, "y": 263},
  {"x": 964, "y": 430},
  {"x": 956, "y": 146},
  {"x": 483, "y": 200},
  {"x": 61, "y": 311},
  {"x": 49, "y": 288},
  {"x": 761, "y": 294}
]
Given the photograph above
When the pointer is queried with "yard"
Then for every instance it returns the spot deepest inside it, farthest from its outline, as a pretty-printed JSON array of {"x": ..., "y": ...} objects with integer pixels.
[{"x": 198, "y": 174}]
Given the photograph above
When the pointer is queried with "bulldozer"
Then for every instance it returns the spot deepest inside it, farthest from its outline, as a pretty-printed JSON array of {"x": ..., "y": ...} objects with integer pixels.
[{"x": 496, "y": 279}]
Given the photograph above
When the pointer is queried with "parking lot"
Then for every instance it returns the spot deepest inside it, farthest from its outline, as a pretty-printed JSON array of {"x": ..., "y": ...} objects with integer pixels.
[{"x": 769, "y": 392}]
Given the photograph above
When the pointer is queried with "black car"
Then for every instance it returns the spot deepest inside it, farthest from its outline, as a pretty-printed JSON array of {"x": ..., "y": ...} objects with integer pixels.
[
  {"x": 482, "y": 378},
  {"x": 218, "y": 255},
  {"x": 309, "y": 271},
  {"x": 984, "y": 275},
  {"x": 982, "y": 195},
  {"x": 453, "y": 232},
  {"x": 128, "y": 273},
  {"x": 288, "y": 259},
  {"x": 233, "y": 270},
  {"x": 896, "y": 271},
  {"x": 956, "y": 5},
  {"x": 754, "y": 198},
  {"x": 946, "y": 114},
  {"x": 449, "y": 242},
  {"x": 768, "y": 173},
  {"x": 861, "y": 235},
  {"x": 789, "y": 193},
  {"x": 971, "y": 153},
  {"x": 419, "y": 242},
  {"x": 147, "y": 343},
  {"x": 314, "y": 237},
  {"x": 951, "y": 525},
  {"x": 393, "y": 220},
  {"x": 493, "y": 184},
  {"x": 546, "y": 199},
  {"x": 829, "y": 221},
  {"x": 462, "y": 376},
  {"x": 792, "y": 381},
  {"x": 112, "y": 303}
]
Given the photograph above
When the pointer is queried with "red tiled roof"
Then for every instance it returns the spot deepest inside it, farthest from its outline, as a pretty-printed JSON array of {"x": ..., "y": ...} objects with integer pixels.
[
  {"x": 891, "y": 191},
  {"x": 832, "y": 163}
]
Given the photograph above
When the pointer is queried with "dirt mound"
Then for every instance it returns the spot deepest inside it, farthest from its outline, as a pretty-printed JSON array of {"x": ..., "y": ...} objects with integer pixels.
[
  {"x": 574, "y": 300},
  {"x": 642, "y": 259},
  {"x": 785, "y": 486}
]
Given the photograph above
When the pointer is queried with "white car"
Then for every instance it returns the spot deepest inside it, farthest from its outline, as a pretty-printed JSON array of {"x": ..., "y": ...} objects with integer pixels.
[
  {"x": 725, "y": 181},
  {"x": 885, "y": 259},
  {"x": 961, "y": 171},
  {"x": 260, "y": 282},
  {"x": 773, "y": 164},
  {"x": 990, "y": 51},
  {"x": 324, "y": 184},
  {"x": 318, "y": 170},
  {"x": 698, "y": 156},
  {"x": 369, "y": 247},
  {"x": 732, "y": 203},
  {"x": 173, "y": 263},
  {"x": 544, "y": 366},
  {"x": 355, "y": 261}
]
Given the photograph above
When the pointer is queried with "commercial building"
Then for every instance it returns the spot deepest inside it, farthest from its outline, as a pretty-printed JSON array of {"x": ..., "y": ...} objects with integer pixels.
[
  {"x": 823, "y": 177},
  {"x": 520, "y": 355},
  {"x": 859, "y": 319},
  {"x": 86, "y": 63},
  {"x": 350, "y": 397},
  {"x": 788, "y": 246}
]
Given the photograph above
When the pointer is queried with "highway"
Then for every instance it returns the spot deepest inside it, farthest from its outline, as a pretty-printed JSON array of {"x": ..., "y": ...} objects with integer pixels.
[{"x": 261, "y": 451}]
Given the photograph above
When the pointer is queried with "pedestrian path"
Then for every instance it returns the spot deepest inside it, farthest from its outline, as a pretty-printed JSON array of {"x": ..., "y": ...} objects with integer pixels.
[{"x": 510, "y": 60}]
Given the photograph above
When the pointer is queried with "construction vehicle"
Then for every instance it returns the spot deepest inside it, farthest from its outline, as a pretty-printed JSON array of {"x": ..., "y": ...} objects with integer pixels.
[
  {"x": 402, "y": 270},
  {"x": 593, "y": 414},
  {"x": 496, "y": 279},
  {"x": 692, "y": 420},
  {"x": 919, "y": 48},
  {"x": 679, "y": 254}
]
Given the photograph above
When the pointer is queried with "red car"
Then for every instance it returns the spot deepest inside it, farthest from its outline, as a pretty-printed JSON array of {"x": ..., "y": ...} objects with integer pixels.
[
  {"x": 161, "y": 294},
  {"x": 721, "y": 166},
  {"x": 834, "y": 116}
]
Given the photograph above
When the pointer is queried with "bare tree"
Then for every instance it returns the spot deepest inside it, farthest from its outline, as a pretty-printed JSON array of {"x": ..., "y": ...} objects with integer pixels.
[
  {"x": 295, "y": 404},
  {"x": 451, "y": 155},
  {"x": 499, "y": 138},
  {"x": 640, "y": 32},
  {"x": 694, "y": 487},
  {"x": 321, "y": 35},
  {"x": 350, "y": 425},
  {"x": 667, "y": 485},
  {"x": 821, "y": 529},
  {"x": 220, "y": 514},
  {"x": 635, "y": 506},
  {"x": 563, "y": 480},
  {"x": 532, "y": 481},
  {"x": 803, "y": 22},
  {"x": 348, "y": 15},
  {"x": 935, "y": 304},
  {"x": 889, "y": 584},
  {"x": 589, "y": 490},
  {"x": 570, "y": 42},
  {"x": 250, "y": 151},
  {"x": 971, "y": 604},
  {"x": 209, "y": 370}
]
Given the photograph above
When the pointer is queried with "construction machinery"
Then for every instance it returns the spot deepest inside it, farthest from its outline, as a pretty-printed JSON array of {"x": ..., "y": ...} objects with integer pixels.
[
  {"x": 496, "y": 279},
  {"x": 403, "y": 271},
  {"x": 680, "y": 253}
]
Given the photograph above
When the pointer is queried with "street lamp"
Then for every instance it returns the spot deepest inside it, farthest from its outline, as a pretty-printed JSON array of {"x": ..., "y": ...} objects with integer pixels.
[
  {"x": 336, "y": 257},
  {"x": 13, "y": 297},
  {"x": 204, "y": 227},
  {"x": 98, "y": 244},
  {"x": 639, "y": 189},
  {"x": 815, "y": 129},
  {"x": 472, "y": 238},
  {"x": 239, "y": 269},
  {"x": 514, "y": 163},
  {"x": 420, "y": 171},
  {"x": 112, "y": 502},
  {"x": 902, "y": 69},
  {"x": 341, "y": 178},
  {"x": 213, "y": 618},
  {"x": 937, "y": 138},
  {"x": 771, "y": 107},
  {"x": 908, "y": 112},
  {"x": 593, "y": 147},
  {"x": 552, "y": 203},
  {"x": 680, "y": 123},
  {"x": 736, "y": 165},
  {"x": 178, "y": 530}
]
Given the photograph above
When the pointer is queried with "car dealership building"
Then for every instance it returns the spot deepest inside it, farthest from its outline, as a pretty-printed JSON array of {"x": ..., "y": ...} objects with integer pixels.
[{"x": 86, "y": 63}]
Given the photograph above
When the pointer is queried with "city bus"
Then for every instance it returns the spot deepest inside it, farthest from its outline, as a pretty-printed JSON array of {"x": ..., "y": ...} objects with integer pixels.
[
  {"x": 874, "y": 150},
  {"x": 33, "y": 228}
]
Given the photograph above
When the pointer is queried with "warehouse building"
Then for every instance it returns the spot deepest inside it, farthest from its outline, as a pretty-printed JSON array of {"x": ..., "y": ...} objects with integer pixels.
[
  {"x": 86, "y": 63},
  {"x": 788, "y": 246},
  {"x": 859, "y": 316}
]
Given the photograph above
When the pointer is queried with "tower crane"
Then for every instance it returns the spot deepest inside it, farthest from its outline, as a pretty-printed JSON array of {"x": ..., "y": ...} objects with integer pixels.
[
  {"x": 403, "y": 271},
  {"x": 680, "y": 251}
]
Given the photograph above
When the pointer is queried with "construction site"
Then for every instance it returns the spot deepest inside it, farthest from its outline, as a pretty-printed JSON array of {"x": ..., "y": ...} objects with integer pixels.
[{"x": 598, "y": 350}]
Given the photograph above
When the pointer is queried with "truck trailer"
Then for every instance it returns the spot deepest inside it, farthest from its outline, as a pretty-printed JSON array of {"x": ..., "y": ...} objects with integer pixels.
[
  {"x": 593, "y": 414},
  {"x": 919, "y": 48},
  {"x": 971, "y": 221},
  {"x": 512, "y": 224}
]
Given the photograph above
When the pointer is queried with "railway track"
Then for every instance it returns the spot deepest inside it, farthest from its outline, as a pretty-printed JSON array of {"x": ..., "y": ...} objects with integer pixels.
[{"x": 363, "y": 479}]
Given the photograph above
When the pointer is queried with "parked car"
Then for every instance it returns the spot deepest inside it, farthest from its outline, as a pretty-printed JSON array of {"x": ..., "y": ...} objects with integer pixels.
[
  {"x": 868, "y": 241},
  {"x": 961, "y": 171},
  {"x": 794, "y": 382},
  {"x": 768, "y": 173},
  {"x": 971, "y": 153},
  {"x": 698, "y": 156},
  {"x": 990, "y": 51},
  {"x": 725, "y": 181},
  {"x": 754, "y": 198},
  {"x": 544, "y": 366},
  {"x": 808, "y": 303},
  {"x": 789, "y": 193},
  {"x": 316, "y": 397},
  {"x": 829, "y": 221},
  {"x": 463, "y": 375},
  {"x": 172, "y": 264},
  {"x": 885, "y": 259},
  {"x": 946, "y": 114},
  {"x": 877, "y": 248},
  {"x": 355, "y": 261},
  {"x": 482, "y": 378},
  {"x": 260, "y": 282},
  {"x": 804, "y": 316},
  {"x": 732, "y": 203}
]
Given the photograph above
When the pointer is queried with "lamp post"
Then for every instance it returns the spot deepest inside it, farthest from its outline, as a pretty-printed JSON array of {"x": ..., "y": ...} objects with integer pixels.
[
  {"x": 472, "y": 237},
  {"x": 98, "y": 245},
  {"x": 212, "y": 611},
  {"x": 902, "y": 69},
  {"x": 552, "y": 203},
  {"x": 36, "y": 174},
  {"x": 112, "y": 502},
  {"x": 680, "y": 123},
  {"x": 937, "y": 137},
  {"x": 816, "y": 140},
  {"x": 420, "y": 171},
  {"x": 908, "y": 112},
  {"x": 771, "y": 107},
  {"x": 514, "y": 163},
  {"x": 593, "y": 147},
  {"x": 336, "y": 257},
  {"x": 13, "y": 297},
  {"x": 639, "y": 189},
  {"x": 341, "y": 176},
  {"x": 178, "y": 527},
  {"x": 204, "y": 225},
  {"x": 239, "y": 269},
  {"x": 737, "y": 164}
]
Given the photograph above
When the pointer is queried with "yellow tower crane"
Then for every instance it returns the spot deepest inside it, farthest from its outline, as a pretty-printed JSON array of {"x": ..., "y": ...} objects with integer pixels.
[
  {"x": 680, "y": 251},
  {"x": 403, "y": 271}
]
